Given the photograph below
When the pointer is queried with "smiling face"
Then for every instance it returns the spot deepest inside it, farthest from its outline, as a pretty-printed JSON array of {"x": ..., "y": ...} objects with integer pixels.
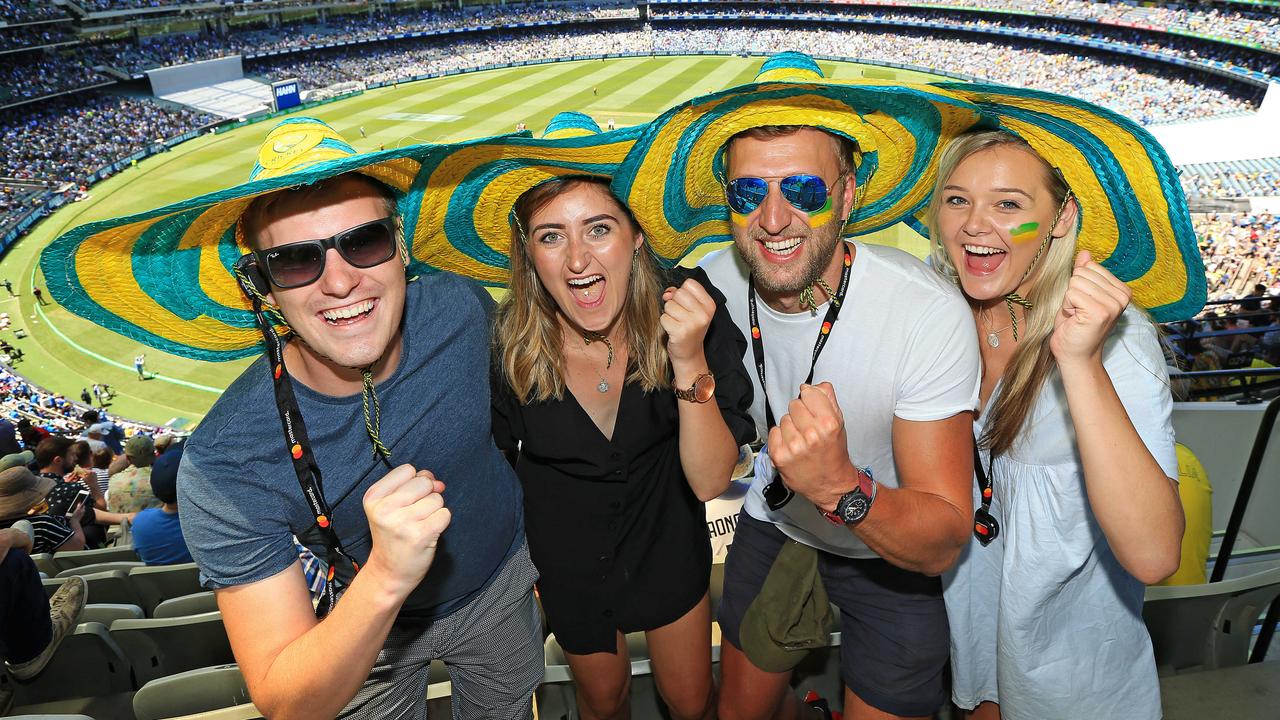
[
  {"x": 786, "y": 247},
  {"x": 996, "y": 209},
  {"x": 349, "y": 317},
  {"x": 581, "y": 242}
]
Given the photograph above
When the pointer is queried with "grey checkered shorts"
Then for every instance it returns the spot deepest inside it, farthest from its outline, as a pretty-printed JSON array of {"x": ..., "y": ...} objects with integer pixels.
[{"x": 492, "y": 647}]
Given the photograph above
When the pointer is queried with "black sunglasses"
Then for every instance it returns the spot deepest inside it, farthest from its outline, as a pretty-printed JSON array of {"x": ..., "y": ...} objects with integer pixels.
[{"x": 302, "y": 263}]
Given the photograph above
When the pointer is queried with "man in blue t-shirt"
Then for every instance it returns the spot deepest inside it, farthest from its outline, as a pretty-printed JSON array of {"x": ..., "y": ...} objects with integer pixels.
[
  {"x": 157, "y": 534},
  {"x": 391, "y": 381}
]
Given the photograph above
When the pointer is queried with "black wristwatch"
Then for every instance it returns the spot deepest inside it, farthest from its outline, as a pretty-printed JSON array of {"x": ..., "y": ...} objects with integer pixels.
[{"x": 853, "y": 505}]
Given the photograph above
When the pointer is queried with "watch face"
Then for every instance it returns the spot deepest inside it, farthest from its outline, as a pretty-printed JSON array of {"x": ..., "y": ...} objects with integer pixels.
[
  {"x": 855, "y": 507},
  {"x": 704, "y": 388}
]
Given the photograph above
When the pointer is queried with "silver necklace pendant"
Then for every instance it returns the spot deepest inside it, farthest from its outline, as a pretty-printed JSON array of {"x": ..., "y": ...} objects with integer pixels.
[
  {"x": 603, "y": 386},
  {"x": 993, "y": 340}
]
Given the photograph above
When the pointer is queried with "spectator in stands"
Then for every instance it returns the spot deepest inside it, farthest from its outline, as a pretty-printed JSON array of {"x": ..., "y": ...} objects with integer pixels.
[
  {"x": 32, "y": 624},
  {"x": 31, "y": 435},
  {"x": 558, "y": 359},
  {"x": 101, "y": 464},
  {"x": 405, "y": 362},
  {"x": 129, "y": 491},
  {"x": 25, "y": 496},
  {"x": 1082, "y": 414},
  {"x": 57, "y": 457},
  {"x": 8, "y": 439},
  {"x": 109, "y": 432},
  {"x": 157, "y": 535}
]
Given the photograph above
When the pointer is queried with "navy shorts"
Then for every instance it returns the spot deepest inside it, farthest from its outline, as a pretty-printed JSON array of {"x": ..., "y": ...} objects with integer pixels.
[{"x": 894, "y": 638}]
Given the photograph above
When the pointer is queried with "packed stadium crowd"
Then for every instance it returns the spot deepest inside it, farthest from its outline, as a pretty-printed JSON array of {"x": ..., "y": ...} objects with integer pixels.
[
  {"x": 175, "y": 49},
  {"x": 1146, "y": 96},
  {"x": 1233, "y": 181},
  {"x": 1241, "y": 251},
  {"x": 66, "y": 139},
  {"x": 34, "y": 77},
  {"x": 16, "y": 11},
  {"x": 31, "y": 36},
  {"x": 1163, "y": 43}
]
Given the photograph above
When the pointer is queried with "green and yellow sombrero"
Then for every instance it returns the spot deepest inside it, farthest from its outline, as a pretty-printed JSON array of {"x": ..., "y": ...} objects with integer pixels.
[
  {"x": 163, "y": 277},
  {"x": 673, "y": 178},
  {"x": 1134, "y": 217},
  {"x": 468, "y": 194}
]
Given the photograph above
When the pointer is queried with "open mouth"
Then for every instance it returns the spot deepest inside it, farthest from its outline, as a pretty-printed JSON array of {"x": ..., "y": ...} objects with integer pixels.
[
  {"x": 982, "y": 260},
  {"x": 782, "y": 248},
  {"x": 348, "y": 315},
  {"x": 587, "y": 291}
]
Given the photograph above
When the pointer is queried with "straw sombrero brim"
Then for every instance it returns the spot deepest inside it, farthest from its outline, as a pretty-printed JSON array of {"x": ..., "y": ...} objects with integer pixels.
[
  {"x": 672, "y": 180},
  {"x": 17, "y": 502},
  {"x": 468, "y": 194},
  {"x": 1134, "y": 217},
  {"x": 163, "y": 277}
]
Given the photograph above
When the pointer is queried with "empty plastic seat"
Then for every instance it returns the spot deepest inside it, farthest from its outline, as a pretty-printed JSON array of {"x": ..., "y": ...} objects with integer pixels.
[
  {"x": 112, "y": 586},
  {"x": 77, "y": 558},
  {"x": 193, "y": 604},
  {"x": 82, "y": 570},
  {"x": 1205, "y": 627},
  {"x": 157, "y": 647},
  {"x": 158, "y": 583},
  {"x": 194, "y": 691},
  {"x": 107, "y": 613},
  {"x": 45, "y": 564},
  {"x": 88, "y": 674}
]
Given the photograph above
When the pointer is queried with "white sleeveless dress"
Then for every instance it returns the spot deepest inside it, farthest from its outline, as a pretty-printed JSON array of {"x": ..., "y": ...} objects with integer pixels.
[{"x": 1045, "y": 620}]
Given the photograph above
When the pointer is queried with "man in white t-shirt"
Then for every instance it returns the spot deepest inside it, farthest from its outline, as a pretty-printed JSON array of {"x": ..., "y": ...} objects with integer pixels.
[{"x": 897, "y": 381}]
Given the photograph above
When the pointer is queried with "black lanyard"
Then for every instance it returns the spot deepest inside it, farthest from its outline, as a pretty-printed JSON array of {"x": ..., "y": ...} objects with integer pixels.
[
  {"x": 985, "y": 526},
  {"x": 304, "y": 462},
  {"x": 833, "y": 312}
]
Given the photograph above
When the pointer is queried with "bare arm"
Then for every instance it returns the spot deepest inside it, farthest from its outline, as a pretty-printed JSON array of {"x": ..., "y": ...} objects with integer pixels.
[
  {"x": 1135, "y": 503},
  {"x": 707, "y": 448},
  {"x": 920, "y": 526},
  {"x": 298, "y": 667},
  {"x": 924, "y": 524},
  {"x": 294, "y": 665}
]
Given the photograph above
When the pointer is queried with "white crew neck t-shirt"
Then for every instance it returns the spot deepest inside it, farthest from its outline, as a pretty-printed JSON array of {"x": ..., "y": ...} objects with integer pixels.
[{"x": 904, "y": 346}]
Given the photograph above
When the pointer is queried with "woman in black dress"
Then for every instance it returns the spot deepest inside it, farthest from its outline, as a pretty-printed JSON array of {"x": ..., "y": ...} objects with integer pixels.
[{"x": 621, "y": 386}]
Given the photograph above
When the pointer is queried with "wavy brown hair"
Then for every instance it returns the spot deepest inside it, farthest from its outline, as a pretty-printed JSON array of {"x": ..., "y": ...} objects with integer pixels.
[
  {"x": 1032, "y": 363},
  {"x": 528, "y": 335}
]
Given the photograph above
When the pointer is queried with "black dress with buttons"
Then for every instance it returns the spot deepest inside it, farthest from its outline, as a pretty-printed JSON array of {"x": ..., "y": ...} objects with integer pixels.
[{"x": 617, "y": 535}]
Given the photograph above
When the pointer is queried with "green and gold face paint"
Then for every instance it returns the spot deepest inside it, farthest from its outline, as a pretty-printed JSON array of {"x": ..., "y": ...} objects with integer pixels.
[
  {"x": 822, "y": 215},
  {"x": 1026, "y": 232}
]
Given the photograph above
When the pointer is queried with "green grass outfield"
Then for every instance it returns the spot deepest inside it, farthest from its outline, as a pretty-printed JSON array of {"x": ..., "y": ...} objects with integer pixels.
[{"x": 66, "y": 353}]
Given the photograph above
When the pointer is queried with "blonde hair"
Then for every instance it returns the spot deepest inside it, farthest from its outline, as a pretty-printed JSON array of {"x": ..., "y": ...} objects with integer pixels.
[
  {"x": 1032, "y": 362},
  {"x": 528, "y": 335}
]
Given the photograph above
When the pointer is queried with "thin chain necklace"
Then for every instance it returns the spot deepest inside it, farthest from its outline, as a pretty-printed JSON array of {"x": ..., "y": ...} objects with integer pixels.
[
  {"x": 993, "y": 336},
  {"x": 603, "y": 385}
]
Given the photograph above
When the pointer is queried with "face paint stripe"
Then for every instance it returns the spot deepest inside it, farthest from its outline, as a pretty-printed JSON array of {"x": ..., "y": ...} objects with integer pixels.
[
  {"x": 822, "y": 215},
  {"x": 1025, "y": 232}
]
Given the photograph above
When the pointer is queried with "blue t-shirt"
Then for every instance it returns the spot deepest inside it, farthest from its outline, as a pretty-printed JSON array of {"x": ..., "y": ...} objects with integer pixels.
[
  {"x": 157, "y": 538},
  {"x": 240, "y": 498}
]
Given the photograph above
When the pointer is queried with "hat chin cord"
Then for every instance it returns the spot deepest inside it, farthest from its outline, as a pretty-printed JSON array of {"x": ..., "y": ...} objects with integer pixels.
[{"x": 1014, "y": 298}]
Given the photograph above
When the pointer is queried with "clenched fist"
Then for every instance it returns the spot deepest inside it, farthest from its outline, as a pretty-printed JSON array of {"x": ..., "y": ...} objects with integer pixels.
[
  {"x": 686, "y": 315},
  {"x": 809, "y": 449},
  {"x": 406, "y": 516}
]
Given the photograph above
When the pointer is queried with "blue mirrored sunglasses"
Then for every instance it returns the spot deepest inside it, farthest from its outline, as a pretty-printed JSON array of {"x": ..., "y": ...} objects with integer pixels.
[{"x": 806, "y": 192}]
